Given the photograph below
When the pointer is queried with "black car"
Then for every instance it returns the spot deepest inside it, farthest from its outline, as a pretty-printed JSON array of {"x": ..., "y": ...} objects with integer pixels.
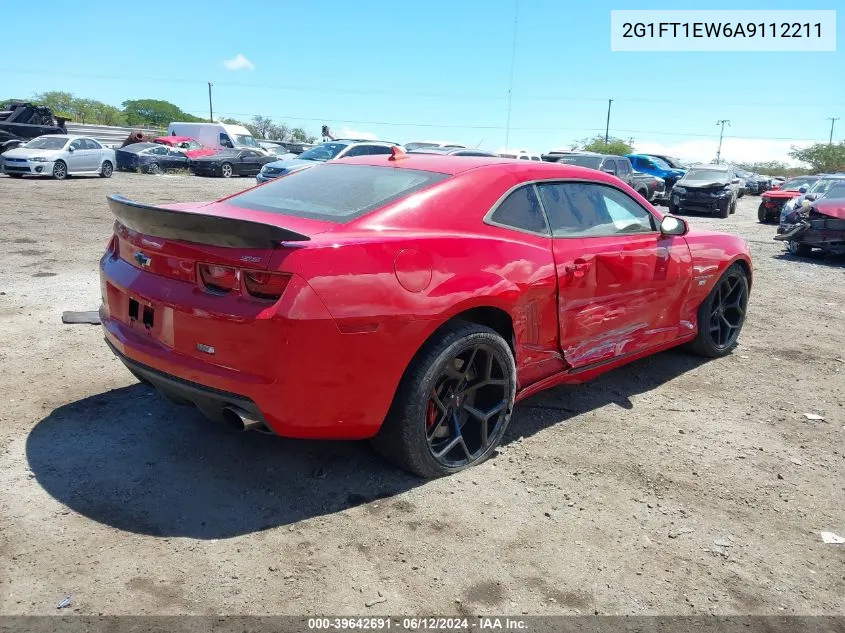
[
  {"x": 231, "y": 162},
  {"x": 619, "y": 166},
  {"x": 706, "y": 188},
  {"x": 151, "y": 158}
]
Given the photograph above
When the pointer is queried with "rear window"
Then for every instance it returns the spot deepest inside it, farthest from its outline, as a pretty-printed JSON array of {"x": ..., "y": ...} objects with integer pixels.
[{"x": 335, "y": 193}]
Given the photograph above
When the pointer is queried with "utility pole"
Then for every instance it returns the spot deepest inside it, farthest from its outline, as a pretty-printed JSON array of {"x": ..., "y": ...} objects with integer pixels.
[
  {"x": 210, "y": 109},
  {"x": 607, "y": 126},
  {"x": 721, "y": 134},
  {"x": 832, "y": 121},
  {"x": 510, "y": 83}
]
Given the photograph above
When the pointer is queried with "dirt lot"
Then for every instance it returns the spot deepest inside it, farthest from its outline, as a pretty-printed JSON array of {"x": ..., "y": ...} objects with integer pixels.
[{"x": 671, "y": 486}]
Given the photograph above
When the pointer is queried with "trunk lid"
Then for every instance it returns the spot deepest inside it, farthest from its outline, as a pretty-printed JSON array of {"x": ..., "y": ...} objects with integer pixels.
[{"x": 171, "y": 240}]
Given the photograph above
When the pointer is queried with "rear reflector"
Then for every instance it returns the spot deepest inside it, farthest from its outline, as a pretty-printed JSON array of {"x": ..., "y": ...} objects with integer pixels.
[
  {"x": 218, "y": 278},
  {"x": 263, "y": 285}
]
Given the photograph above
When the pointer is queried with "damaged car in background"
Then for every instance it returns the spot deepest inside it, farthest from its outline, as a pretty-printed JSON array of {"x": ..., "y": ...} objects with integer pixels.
[
  {"x": 710, "y": 189},
  {"x": 150, "y": 158},
  {"x": 772, "y": 202},
  {"x": 816, "y": 219}
]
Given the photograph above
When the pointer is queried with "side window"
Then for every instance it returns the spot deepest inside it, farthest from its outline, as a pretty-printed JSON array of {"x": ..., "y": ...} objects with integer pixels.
[
  {"x": 358, "y": 150},
  {"x": 158, "y": 151},
  {"x": 173, "y": 152},
  {"x": 90, "y": 144},
  {"x": 578, "y": 209},
  {"x": 611, "y": 164},
  {"x": 78, "y": 144},
  {"x": 521, "y": 210},
  {"x": 535, "y": 158},
  {"x": 380, "y": 149},
  {"x": 249, "y": 154},
  {"x": 225, "y": 141}
]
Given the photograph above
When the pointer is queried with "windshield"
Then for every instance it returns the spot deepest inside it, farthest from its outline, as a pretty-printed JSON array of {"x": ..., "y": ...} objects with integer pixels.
[
  {"x": 660, "y": 162},
  {"x": 677, "y": 163},
  {"x": 824, "y": 184},
  {"x": 707, "y": 174},
  {"x": 797, "y": 183},
  {"x": 335, "y": 192},
  {"x": 243, "y": 140},
  {"x": 323, "y": 152},
  {"x": 47, "y": 142},
  {"x": 593, "y": 162}
]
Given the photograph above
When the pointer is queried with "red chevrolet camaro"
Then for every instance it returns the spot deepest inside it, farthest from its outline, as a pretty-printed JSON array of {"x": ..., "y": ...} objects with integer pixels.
[{"x": 411, "y": 299}]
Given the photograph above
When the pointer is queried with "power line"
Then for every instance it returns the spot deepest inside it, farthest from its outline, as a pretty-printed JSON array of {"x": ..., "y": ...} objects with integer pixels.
[
  {"x": 510, "y": 81},
  {"x": 402, "y": 93}
]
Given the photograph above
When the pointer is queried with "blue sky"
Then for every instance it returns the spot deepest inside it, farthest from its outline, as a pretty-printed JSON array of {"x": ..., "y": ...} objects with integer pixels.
[{"x": 437, "y": 70}]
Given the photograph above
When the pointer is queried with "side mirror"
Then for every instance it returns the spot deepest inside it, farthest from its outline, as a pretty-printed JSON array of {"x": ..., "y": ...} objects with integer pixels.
[
  {"x": 812, "y": 196},
  {"x": 672, "y": 225},
  {"x": 609, "y": 171},
  {"x": 802, "y": 189},
  {"x": 70, "y": 149}
]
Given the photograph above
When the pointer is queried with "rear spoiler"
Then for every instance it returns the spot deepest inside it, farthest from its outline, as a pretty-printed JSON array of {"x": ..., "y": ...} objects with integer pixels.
[{"x": 199, "y": 228}]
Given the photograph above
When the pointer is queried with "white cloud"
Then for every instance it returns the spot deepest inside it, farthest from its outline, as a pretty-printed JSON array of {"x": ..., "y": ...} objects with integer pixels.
[
  {"x": 346, "y": 132},
  {"x": 239, "y": 62},
  {"x": 735, "y": 150}
]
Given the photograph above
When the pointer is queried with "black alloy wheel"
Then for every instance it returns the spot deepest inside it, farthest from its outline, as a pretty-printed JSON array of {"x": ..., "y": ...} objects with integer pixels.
[
  {"x": 722, "y": 315},
  {"x": 453, "y": 403}
]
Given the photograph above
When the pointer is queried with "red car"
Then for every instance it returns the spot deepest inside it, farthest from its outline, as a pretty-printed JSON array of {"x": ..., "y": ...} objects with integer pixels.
[
  {"x": 188, "y": 146},
  {"x": 772, "y": 201},
  {"x": 412, "y": 299}
]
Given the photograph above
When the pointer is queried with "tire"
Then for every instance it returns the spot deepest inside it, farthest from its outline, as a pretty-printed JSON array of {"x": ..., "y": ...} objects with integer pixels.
[
  {"x": 107, "y": 169},
  {"x": 733, "y": 206},
  {"x": 154, "y": 168},
  {"x": 723, "y": 212},
  {"x": 733, "y": 300},
  {"x": 672, "y": 208},
  {"x": 762, "y": 214},
  {"x": 15, "y": 175},
  {"x": 433, "y": 391},
  {"x": 60, "y": 170},
  {"x": 798, "y": 249},
  {"x": 226, "y": 170}
]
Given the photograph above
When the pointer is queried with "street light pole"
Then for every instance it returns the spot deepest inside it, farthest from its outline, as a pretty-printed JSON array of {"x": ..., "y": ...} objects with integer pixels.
[
  {"x": 210, "y": 109},
  {"x": 832, "y": 121},
  {"x": 721, "y": 133},
  {"x": 607, "y": 126}
]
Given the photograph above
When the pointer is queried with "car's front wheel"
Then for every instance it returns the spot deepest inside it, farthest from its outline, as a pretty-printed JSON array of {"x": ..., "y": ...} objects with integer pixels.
[
  {"x": 798, "y": 249},
  {"x": 762, "y": 213},
  {"x": 154, "y": 168},
  {"x": 453, "y": 403},
  {"x": 59, "y": 170},
  {"x": 722, "y": 314},
  {"x": 107, "y": 169},
  {"x": 226, "y": 170}
]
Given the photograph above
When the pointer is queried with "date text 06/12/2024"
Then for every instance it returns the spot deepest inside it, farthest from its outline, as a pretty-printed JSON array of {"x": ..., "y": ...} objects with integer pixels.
[
  {"x": 417, "y": 624},
  {"x": 720, "y": 30}
]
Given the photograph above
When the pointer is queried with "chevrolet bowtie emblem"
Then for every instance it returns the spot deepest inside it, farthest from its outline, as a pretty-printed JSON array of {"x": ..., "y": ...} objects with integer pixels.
[{"x": 142, "y": 259}]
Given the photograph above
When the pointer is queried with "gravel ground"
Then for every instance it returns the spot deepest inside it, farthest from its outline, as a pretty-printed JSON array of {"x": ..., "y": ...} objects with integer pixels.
[{"x": 671, "y": 486}]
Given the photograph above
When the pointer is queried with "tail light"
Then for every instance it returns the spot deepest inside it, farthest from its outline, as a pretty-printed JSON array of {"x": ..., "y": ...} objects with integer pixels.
[
  {"x": 263, "y": 285},
  {"x": 257, "y": 284},
  {"x": 218, "y": 278}
]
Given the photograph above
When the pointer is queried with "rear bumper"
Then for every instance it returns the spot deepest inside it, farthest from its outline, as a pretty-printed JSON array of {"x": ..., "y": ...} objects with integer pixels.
[
  {"x": 210, "y": 401},
  {"x": 289, "y": 364}
]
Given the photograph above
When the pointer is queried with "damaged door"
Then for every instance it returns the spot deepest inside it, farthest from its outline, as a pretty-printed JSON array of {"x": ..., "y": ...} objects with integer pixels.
[{"x": 621, "y": 282}]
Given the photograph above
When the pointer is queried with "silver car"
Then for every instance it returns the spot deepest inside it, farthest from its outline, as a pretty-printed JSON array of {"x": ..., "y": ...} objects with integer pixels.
[{"x": 59, "y": 156}]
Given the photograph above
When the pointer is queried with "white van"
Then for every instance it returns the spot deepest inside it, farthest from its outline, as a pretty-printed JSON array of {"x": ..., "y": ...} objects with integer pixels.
[{"x": 215, "y": 135}]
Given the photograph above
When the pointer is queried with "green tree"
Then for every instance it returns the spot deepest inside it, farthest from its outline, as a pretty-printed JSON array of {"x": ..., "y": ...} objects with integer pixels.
[
  {"x": 301, "y": 136},
  {"x": 63, "y": 104},
  {"x": 154, "y": 112},
  {"x": 262, "y": 125},
  {"x": 613, "y": 146},
  {"x": 773, "y": 168},
  {"x": 822, "y": 157},
  {"x": 278, "y": 132}
]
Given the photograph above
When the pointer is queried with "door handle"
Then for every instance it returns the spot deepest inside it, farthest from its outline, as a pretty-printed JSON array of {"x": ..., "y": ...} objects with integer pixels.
[{"x": 578, "y": 268}]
